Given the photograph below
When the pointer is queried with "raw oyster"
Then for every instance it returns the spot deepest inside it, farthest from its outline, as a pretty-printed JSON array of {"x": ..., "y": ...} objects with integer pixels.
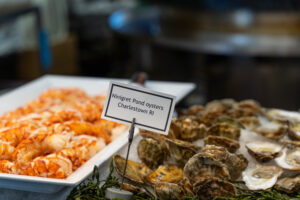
[
  {"x": 134, "y": 171},
  {"x": 150, "y": 152},
  {"x": 235, "y": 163},
  {"x": 263, "y": 151},
  {"x": 187, "y": 128},
  {"x": 261, "y": 177},
  {"x": 290, "y": 158},
  {"x": 283, "y": 115},
  {"x": 220, "y": 106},
  {"x": 224, "y": 129},
  {"x": 181, "y": 151},
  {"x": 229, "y": 144},
  {"x": 169, "y": 174},
  {"x": 168, "y": 191},
  {"x": 294, "y": 133},
  {"x": 289, "y": 185},
  {"x": 209, "y": 188},
  {"x": 202, "y": 165},
  {"x": 249, "y": 121},
  {"x": 272, "y": 130}
]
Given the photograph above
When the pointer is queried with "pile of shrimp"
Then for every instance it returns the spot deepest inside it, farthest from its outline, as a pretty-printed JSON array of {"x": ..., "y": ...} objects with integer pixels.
[{"x": 54, "y": 134}]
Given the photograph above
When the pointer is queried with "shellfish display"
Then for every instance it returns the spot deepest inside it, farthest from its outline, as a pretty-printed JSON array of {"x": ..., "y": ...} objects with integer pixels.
[{"x": 211, "y": 148}]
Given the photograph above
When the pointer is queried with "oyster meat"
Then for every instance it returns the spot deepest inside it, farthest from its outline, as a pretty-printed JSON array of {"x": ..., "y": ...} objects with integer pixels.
[
  {"x": 229, "y": 144},
  {"x": 181, "y": 151},
  {"x": 225, "y": 130},
  {"x": 169, "y": 174},
  {"x": 263, "y": 151},
  {"x": 202, "y": 165},
  {"x": 289, "y": 185},
  {"x": 272, "y": 130},
  {"x": 168, "y": 191},
  {"x": 261, "y": 177},
  {"x": 290, "y": 158},
  {"x": 150, "y": 152},
  {"x": 209, "y": 188},
  {"x": 187, "y": 128},
  {"x": 134, "y": 171},
  {"x": 235, "y": 163}
]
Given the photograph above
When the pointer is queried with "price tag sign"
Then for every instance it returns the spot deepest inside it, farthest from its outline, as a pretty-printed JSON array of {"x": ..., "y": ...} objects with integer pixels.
[{"x": 152, "y": 110}]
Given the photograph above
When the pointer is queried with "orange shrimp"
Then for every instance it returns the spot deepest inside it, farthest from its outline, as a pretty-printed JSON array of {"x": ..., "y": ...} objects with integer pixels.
[
  {"x": 81, "y": 127},
  {"x": 42, "y": 143},
  {"x": 51, "y": 166},
  {"x": 7, "y": 166}
]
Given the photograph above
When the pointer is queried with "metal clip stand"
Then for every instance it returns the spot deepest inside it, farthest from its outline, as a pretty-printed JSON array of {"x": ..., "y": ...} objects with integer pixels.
[{"x": 112, "y": 193}]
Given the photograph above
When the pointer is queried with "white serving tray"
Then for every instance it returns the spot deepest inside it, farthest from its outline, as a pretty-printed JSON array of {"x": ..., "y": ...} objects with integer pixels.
[{"x": 32, "y": 90}]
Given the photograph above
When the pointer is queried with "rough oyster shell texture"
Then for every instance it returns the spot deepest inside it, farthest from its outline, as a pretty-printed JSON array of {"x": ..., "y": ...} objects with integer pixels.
[
  {"x": 209, "y": 188},
  {"x": 289, "y": 184},
  {"x": 150, "y": 152},
  {"x": 229, "y": 144}
]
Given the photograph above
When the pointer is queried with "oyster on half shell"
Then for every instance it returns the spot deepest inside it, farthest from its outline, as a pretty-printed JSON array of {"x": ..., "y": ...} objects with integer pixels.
[
  {"x": 290, "y": 158},
  {"x": 288, "y": 184},
  {"x": 134, "y": 171},
  {"x": 263, "y": 151},
  {"x": 272, "y": 130},
  {"x": 261, "y": 177}
]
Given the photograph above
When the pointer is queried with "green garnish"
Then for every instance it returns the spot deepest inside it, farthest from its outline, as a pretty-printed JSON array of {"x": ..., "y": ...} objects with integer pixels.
[{"x": 94, "y": 189}]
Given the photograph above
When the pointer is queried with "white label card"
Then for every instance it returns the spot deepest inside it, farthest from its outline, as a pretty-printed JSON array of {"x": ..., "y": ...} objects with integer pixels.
[{"x": 152, "y": 110}]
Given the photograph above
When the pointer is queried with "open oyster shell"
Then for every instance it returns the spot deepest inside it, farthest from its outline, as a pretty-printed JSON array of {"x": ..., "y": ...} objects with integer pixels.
[
  {"x": 209, "y": 188},
  {"x": 261, "y": 177},
  {"x": 289, "y": 185},
  {"x": 294, "y": 133},
  {"x": 263, "y": 151},
  {"x": 225, "y": 130},
  {"x": 134, "y": 171},
  {"x": 202, "y": 165},
  {"x": 150, "y": 152},
  {"x": 168, "y": 191},
  {"x": 235, "y": 163},
  {"x": 291, "y": 143},
  {"x": 181, "y": 151},
  {"x": 187, "y": 128},
  {"x": 169, "y": 174},
  {"x": 229, "y": 144},
  {"x": 284, "y": 115},
  {"x": 290, "y": 158},
  {"x": 272, "y": 130}
]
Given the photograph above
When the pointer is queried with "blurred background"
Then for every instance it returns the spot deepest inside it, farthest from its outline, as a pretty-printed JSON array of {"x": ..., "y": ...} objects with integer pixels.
[{"x": 231, "y": 49}]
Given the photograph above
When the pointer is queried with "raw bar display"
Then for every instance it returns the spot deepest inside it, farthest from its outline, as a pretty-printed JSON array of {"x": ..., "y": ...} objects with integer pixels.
[{"x": 54, "y": 134}]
